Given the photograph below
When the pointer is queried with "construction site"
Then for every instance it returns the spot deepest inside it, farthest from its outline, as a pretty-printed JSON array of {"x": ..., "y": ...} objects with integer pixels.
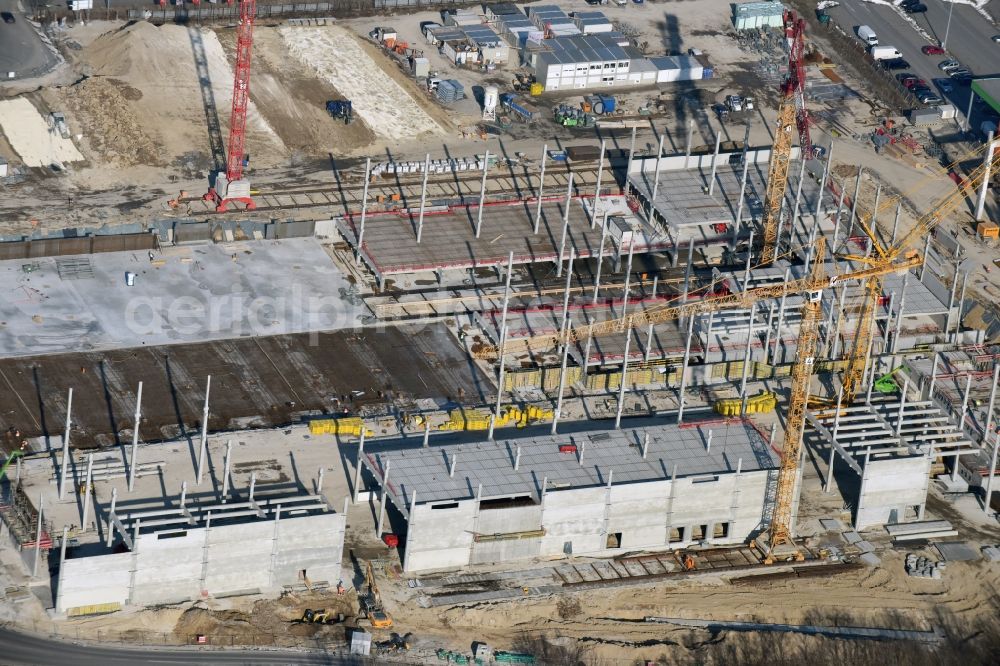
[{"x": 554, "y": 334}]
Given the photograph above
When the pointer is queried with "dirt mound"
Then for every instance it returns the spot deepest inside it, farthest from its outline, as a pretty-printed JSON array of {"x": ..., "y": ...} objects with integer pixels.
[
  {"x": 178, "y": 80},
  {"x": 268, "y": 621},
  {"x": 103, "y": 106}
]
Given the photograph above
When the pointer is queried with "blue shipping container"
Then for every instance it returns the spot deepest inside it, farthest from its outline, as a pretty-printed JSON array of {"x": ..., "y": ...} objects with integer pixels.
[{"x": 609, "y": 103}]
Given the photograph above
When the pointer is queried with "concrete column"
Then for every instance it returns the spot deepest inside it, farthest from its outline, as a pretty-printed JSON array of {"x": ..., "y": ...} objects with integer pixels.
[
  {"x": 645, "y": 445},
  {"x": 423, "y": 198},
  {"x": 364, "y": 209},
  {"x": 62, "y": 569},
  {"x": 600, "y": 259},
  {"x": 361, "y": 453},
  {"x": 934, "y": 367},
  {"x": 656, "y": 279},
  {"x": 38, "y": 536},
  {"x": 927, "y": 249},
  {"x": 822, "y": 183},
  {"x": 225, "y": 474},
  {"x": 649, "y": 343},
  {"x": 854, "y": 204},
  {"x": 746, "y": 271},
  {"x": 961, "y": 305},
  {"x": 781, "y": 320},
  {"x": 989, "y": 479},
  {"x": 541, "y": 189},
  {"x": 562, "y": 240},
  {"x": 597, "y": 187},
  {"x": 828, "y": 486},
  {"x": 427, "y": 433},
  {"x": 738, "y": 221},
  {"x": 767, "y": 337},
  {"x": 798, "y": 203},
  {"x": 517, "y": 458},
  {"x": 902, "y": 406},
  {"x": 687, "y": 271},
  {"x": 65, "y": 450},
  {"x": 319, "y": 481},
  {"x": 747, "y": 360},
  {"x": 989, "y": 407},
  {"x": 836, "y": 220},
  {"x": 951, "y": 298},
  {"x": 899, "y": 314},
  {"x": 562, "y": 387},
  {"x": 687, "y": 143},
  {"x": 628, "y": 165},
  {"x": 204, "y": 431},
  {"x": 715, "y": 160},
  {"x": 892, "y": 303},
  {"x": 873, "y": 223},
  {"x": 384, "y": 495},
  {"x": 88, "y": 490},
  {"x": 656, "y": 179},
  {"x": 840, "y": 318},
  {"x": 895, "y": 226},
  {"x": 684, "y": 368},
  {"x": 184, "y": 492},
  {"x": 482, "y": 193},
  {"x": 564, "y": 322},
  {"x": 621, "y": 387},
  {"x": 453, "y": 464},
  {"x": 670, "y": 504},
  {"x": 965, "y": 403},
  {"x": 135, "y": 439},
  {"x": 111, "y": 515},
  {"x": 968, "y": 111},
  {"x": 985, "y": 187},
  {"x": 628, "y": 276},
  {"x": 503, "y": 326}
]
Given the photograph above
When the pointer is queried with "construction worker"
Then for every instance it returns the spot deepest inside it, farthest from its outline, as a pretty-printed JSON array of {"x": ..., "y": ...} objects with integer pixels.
[
  {"x": 688, "y": 562},
  {"x": 340, "y": 588}
]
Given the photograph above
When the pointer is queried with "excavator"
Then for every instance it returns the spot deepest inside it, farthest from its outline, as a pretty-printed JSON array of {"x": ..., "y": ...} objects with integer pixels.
[{"x": 371, "y": 602}]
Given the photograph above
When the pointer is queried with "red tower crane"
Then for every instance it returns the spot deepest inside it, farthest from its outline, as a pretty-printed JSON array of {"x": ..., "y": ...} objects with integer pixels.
[
  {"x": 795, "y": 32},
  {"x": 231, "y": 186}
]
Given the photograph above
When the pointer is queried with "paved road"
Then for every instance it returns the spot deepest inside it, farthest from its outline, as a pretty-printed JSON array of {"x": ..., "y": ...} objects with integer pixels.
[
  {"x": 969, "y": 38},
  {"x": 20, "y": 649},
  {"x": 21, "y": 49}
]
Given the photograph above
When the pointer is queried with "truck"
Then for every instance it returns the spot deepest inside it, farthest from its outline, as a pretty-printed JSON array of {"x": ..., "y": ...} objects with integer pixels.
[
  {"x": 867, "y": 35},
  {"x": 514, "y": 104},
  {"x": 885, "y": 53}
]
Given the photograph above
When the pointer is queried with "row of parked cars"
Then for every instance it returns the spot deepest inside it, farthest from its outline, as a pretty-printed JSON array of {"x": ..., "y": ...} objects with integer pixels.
[{"x": 889, "y": 58}]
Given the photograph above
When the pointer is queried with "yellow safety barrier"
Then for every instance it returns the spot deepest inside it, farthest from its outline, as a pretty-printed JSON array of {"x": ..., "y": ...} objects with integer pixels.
[
  {"x": 762, "y": 403},
  {"x": 348, "y": 425},
  {"x": 94, "y": 609}
]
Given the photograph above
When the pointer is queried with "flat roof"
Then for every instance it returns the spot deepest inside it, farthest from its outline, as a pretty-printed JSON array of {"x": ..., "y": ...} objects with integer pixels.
[
  {"x": 989, "y": 91},
  {"x": 425, "y": 471},
  {"x": 449, "y": 241},
  {"x": 682, "y": 200},
  {"x": 187, "y": 293}
]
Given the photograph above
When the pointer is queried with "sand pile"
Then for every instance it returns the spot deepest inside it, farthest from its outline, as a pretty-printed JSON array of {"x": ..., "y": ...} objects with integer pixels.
[
  {"x": 386, "y": 106},
  {"x": 103, "y": 106},
  {"x": 31, "y": 137},
  {"x": 178, "y": 70}
]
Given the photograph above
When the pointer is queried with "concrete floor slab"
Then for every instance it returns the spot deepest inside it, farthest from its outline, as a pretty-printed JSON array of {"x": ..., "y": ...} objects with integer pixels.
[{"x": 183, "y": 294}]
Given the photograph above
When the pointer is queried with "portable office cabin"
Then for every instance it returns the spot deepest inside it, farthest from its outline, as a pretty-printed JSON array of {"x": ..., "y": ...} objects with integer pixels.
[{"x": 751, "y": 15}]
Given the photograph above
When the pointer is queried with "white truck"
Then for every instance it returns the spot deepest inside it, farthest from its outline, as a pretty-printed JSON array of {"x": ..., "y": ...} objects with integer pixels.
[
  {"x": 885, "y": 53},
  {"x": 867, "y": 35}
]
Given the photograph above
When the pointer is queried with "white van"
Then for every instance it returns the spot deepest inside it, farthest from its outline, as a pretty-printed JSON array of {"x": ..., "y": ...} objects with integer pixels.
[{"x": 867, "y": 35}]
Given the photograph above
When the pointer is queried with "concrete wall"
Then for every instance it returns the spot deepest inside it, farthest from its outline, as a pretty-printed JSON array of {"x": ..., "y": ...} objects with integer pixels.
[
  {"x": 220, "y": 560},
  {"x": 893, "y": 484},
  {"x": 578, "y": 521}
]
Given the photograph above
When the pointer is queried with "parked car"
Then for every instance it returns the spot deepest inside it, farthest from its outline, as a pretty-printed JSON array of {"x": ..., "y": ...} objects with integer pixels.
[
  {"x": 918, "y": 8},
  {"x": 905, "y": 77},
  {"x": 944, "y": 85},
  {"x": 961, "y": 71},
  {"x": 7, "y": 17},
  {"x": 963, "y": 78},
  {"x": 996, "y": 39},
  {"x": 895, "y": 63},
  {"x": 948, "y": 65},
  {"x": 916, "y": 83},
  {"x": 930, "y": 99},
  {"x": 932, "y": 50}
]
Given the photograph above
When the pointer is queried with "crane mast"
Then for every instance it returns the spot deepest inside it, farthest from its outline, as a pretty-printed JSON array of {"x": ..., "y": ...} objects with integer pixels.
[
  {"x": 231, "y": 187},
  {"x": 792, "y": 114}
]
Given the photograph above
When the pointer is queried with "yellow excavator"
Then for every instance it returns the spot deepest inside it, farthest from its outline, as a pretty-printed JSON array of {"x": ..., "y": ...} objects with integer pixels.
[{"x": 371, "y": 602}]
